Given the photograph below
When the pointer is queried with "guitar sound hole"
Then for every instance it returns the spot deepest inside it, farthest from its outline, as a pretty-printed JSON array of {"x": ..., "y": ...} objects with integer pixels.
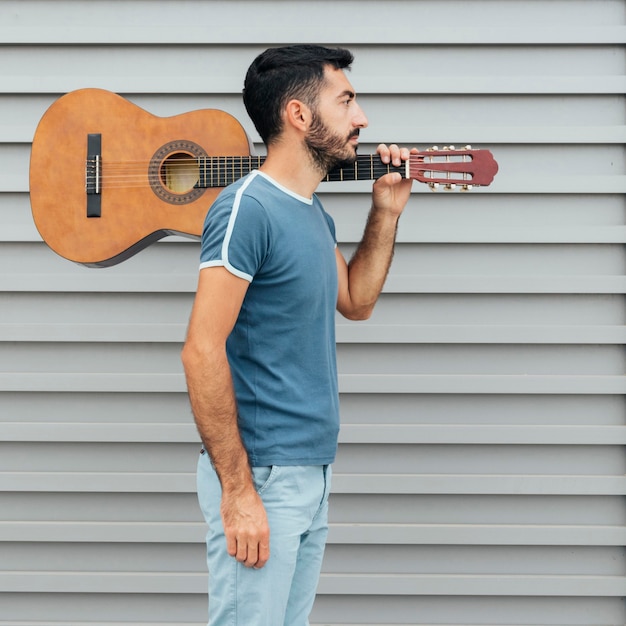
[
  {"x": 179, "y": 172},
  {"x": 174, "y": 172}
]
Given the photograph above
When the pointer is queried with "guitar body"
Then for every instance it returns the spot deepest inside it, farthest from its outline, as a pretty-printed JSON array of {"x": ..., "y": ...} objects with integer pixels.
[{"x": 134, "y": 206}]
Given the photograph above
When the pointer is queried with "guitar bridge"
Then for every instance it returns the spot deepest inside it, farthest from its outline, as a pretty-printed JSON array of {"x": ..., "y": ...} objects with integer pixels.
[{"x": 93, "y": 175}]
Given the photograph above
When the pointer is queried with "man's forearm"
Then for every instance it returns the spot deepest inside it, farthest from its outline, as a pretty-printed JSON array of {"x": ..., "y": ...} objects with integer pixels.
[
  {"x": 214, "y": 408},
  {"x": 369, "y": 266}
]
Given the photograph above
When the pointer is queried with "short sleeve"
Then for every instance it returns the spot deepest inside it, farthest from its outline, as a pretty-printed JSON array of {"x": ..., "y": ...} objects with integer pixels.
[{"x": 236, "y": 235}]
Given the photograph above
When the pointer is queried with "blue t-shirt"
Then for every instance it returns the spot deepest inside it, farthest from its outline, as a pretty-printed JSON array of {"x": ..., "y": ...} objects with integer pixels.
[{"x": 282, "y": 348}]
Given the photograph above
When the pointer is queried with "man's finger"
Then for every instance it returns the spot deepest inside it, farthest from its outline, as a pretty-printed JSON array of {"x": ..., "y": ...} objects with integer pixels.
[
  {"x": 264, "y": 555},
  {"x": 231, "y": 544},
  {"x": 252, "y": 555}
]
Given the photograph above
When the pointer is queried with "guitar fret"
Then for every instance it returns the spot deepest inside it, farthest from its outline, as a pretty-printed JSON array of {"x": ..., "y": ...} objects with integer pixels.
[
  {"x": 220, "y": 172},
  {"x": 366, "y": 172},
  {"x": 201, "y": 173}
]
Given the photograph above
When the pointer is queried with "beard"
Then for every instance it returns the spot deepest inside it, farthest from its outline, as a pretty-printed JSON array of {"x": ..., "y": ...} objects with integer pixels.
[{"x": 327, "y": 149}]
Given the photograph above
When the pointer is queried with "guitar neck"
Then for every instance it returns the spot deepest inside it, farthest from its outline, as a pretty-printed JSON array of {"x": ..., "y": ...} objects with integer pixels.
[{"x": 219, "y": 171}]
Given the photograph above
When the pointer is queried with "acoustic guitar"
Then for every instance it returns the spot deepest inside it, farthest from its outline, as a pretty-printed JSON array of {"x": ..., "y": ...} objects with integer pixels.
[{"x": 107, "y": 178}]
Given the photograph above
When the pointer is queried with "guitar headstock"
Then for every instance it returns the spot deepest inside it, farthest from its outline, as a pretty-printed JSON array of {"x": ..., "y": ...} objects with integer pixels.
[{"x": 453, "y": 168}]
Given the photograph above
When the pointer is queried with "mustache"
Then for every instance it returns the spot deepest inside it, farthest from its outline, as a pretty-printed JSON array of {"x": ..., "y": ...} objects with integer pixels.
[{"x": 355, "y": 133}]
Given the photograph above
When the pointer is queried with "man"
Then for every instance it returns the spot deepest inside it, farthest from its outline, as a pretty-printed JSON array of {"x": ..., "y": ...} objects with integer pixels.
[{"x": 260, "y": 351}]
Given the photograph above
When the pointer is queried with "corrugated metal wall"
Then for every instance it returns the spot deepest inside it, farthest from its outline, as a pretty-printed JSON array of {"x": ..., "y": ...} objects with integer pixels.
[{"x": 480, "y": 478}]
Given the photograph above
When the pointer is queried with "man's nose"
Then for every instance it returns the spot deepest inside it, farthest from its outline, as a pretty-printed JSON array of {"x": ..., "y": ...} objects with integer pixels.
[{"x": 360, "y": 119}]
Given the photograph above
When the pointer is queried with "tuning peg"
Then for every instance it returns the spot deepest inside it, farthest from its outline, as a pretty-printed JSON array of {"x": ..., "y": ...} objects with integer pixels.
[
  {"x": 451, "y": 147},
  {"x": 466, "y": 187},
  {"x": 468, "y": 147},
  {"x": 433, "y": 186},
  {"x": 450, "y": 187}
]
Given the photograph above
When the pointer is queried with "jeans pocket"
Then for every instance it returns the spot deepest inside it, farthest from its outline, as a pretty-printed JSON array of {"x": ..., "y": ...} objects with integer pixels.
[{"x": 263, "y": 477}]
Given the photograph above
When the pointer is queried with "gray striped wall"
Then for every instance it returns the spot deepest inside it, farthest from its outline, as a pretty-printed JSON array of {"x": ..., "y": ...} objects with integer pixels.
[{"x": 481, "y": 472}]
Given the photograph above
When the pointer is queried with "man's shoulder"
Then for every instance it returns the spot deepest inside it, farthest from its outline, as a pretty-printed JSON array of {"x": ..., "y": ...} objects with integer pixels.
[{"x": 244, "y": 191}]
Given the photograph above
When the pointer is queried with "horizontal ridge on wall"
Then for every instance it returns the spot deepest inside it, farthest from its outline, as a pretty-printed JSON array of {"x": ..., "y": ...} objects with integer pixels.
[
  {"x": 423, "y": 434},
  {"x": 339, "y": 533},
  {"x": 103, "y": 281},
  {"x": 461, "y": 85},
  {"x": 426, "y": 135},
  {"x": 348, "y": 383},
  {"x": 466, "y": 484},
  {"x": 508, "y": 334},
  {"x": 360, "y": 584}
]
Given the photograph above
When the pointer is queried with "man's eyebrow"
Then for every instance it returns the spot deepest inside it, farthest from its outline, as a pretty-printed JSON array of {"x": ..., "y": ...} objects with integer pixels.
[{"x": 345, "y": 93}]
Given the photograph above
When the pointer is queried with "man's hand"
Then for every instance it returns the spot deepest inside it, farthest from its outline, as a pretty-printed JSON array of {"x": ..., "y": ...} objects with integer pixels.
[
  {"x": 246, "y": 528},
  {"x": 391, "y": 192}
]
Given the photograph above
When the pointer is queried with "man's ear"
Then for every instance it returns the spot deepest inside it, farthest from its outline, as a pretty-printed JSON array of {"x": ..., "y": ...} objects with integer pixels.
[{"x": 298, "y": 115}]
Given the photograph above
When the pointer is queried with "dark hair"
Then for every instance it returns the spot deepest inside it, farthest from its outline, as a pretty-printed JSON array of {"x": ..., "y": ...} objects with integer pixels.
[{"x": 282, "y": 74}]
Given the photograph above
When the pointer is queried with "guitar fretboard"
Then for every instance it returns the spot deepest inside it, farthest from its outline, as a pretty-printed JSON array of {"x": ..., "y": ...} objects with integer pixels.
[
  {"x": 220, "y": 171},
  {"x": 366, "y": 167}
]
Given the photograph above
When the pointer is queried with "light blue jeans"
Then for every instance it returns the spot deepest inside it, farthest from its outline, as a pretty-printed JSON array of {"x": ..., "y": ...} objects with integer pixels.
[{"x": 282, "y": 592}]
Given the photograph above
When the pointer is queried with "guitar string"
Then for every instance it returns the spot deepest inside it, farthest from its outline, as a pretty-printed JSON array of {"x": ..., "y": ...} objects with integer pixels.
[
  {"x": 122, "y": 173},
  {"x": 228, "y": 169}
]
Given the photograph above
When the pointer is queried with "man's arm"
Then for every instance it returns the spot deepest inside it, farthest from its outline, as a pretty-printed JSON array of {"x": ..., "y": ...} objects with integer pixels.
[
  {"x": 361, "y": 280},
  {"x": 218, "y": 300}
]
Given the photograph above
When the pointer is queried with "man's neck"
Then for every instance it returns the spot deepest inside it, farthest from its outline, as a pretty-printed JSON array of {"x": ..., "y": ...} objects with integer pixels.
[{"x": 293, "y": 168}]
